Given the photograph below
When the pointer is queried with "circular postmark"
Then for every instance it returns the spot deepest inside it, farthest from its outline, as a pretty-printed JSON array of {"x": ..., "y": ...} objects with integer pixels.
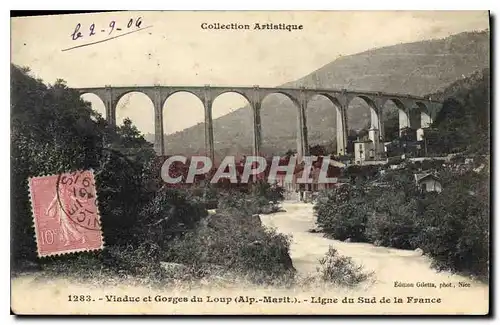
[{"x": 76, "y": 195}]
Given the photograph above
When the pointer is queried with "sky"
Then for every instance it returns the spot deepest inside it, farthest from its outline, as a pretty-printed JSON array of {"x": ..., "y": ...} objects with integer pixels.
[{"x": 171, "y": 48}]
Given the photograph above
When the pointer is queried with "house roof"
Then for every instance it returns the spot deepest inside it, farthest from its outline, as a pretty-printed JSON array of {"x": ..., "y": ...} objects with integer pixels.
[
  {"x": 421, "y": 177},
  {"x": 336, "y": 163}
]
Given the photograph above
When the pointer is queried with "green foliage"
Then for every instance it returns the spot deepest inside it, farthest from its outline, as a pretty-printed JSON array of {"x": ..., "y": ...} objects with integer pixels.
[
  {"x": 115, "y": 261},
  {"x": 452, "y": 227},
  {"x": 271, "y": 192},
  {"x": 391, "y": 126},
  {"x": 169, "y": 214},
  {"x": 341, "y": 270},
  {"x": 393, "y": 222},
  {"x": 318, "y": 150},
  {"x": 206, "y": 193},
  {"x": 342, "y": 212},
  {"x": 54, "y": 131},
  {"x": 51, "y": 131},
  {"x": 241, "y": 203},
  {"x": 463, "y": 121},
  {"x": 455, "y": 225},
  {"x": 235, "y": 240},
  {"x": 236, "y": 243},
  {"x": 263, "y": 198}
]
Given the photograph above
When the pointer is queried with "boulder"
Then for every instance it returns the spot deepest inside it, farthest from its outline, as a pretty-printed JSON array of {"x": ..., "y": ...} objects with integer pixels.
[{"x": 348, "y": 240}]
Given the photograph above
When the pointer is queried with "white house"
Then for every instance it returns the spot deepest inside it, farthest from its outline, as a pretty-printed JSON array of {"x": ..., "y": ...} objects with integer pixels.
[
  {"x": 369, "y": 150},
  {"x": 428, "y": 182},
  {"x": 363, "y": 151}
]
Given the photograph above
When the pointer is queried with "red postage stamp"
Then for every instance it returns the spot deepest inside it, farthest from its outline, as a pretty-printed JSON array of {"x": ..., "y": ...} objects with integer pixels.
[{"x": 65, "y": 213}]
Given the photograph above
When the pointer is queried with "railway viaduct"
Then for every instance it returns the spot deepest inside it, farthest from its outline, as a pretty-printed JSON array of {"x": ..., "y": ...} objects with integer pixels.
[{"x": 414, "y": 112}]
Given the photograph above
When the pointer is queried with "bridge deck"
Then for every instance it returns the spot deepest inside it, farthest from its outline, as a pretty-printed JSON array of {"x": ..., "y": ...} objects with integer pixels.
[{"x": 271, "y": 89}]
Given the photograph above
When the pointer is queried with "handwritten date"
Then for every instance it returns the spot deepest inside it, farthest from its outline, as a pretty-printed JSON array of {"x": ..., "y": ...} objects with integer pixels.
[{"x": 112, "y": 27}]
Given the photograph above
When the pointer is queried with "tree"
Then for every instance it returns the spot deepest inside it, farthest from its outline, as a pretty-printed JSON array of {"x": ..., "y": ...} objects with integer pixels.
[
  {"x": 342, "y": 212},
  {"x": 455, "y": 224},
  {"x": 463, "y": 122},
  {"x": 393, "y": 222},
  {"x": 54, "y": 131},
  {"x": 317, "y": 150}
]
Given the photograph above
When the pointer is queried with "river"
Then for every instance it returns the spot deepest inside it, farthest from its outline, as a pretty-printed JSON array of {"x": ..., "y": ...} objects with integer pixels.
[{"x": 31, "y": 294}]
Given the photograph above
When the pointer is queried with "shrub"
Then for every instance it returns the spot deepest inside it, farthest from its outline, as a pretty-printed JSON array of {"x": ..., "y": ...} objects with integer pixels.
[
  {"x": 239, "y": 203},
  {"x": 341, "y": 270},
  {"x": 111, "y": 262},
  {"x": 54, "y": 131},
  {"x": 170, "y": 213},
  {"x": 207, "y": 194},
  {"x": 394, "y": 221},
  {"x": 236, "y": 203},
  {"x": 342, "y": 212},
  {"x": 271, "y": 192},
  {"x": 455, "y": 226},
  {"x": 235, "y": 242}
]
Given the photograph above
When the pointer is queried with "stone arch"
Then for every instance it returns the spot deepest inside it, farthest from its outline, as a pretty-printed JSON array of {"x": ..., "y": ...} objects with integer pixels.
[
  {"x": 424, "y": 119},
  {"x": 119, "y": 95},
  {"x": 187, "y": 90},
  {"x": 334, "y": 100},
  {"x": 368, "y": 100},
  {"x": 333, "y": 123},
  {"x": 401, "y": 116},
  {"x": 226, "y": 102},
  {"x": 229, "y": 91},
  {"x": 93, "y": 93},
  {"x": 425, "y": 114},
  {"x": 368, "y": 144},
  {"x": 122, "y": 103},
  {"x": 193, "y": 115},
  {"x": 293, "y": 98},
  {"x": 374, "y": 110},
  {"x": 272, "y": 107},
  {"x": 98, "y": 104},
  {"x": 399, "y": 104}
]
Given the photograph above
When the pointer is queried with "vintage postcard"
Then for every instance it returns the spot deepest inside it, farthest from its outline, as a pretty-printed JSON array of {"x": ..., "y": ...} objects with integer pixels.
[{"x": 250, "y": 163}]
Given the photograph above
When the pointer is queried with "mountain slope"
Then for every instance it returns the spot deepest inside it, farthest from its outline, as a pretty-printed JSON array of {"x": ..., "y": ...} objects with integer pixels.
[
  {"x": 417, "y": 68},
  {"x": 463, "y": 124}
]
